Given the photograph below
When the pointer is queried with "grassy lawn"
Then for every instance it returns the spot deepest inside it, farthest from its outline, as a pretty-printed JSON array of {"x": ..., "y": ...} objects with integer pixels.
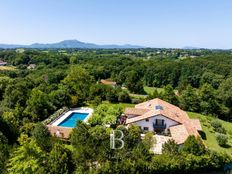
[
  {"x": 123, "y": 105},
  {"x": 150, "y": 90},
  {"x": 7, "y": 68},
  {"x": 210, "y": 140},
  {"x": 138, "y": 96}
]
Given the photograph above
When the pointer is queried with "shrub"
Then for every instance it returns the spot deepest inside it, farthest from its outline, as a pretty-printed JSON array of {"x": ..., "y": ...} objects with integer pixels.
[
  {"x": 221, "y": 130},
  {"x": 170, "y": 147},
  {"x": 97, "y": 101},
  {"x": 194, "y": 146},
  {"x": 215, "y": 124},
  {"x": 149, "y": 139},
  {"x": 124, "y": 97},
  {"x": 112, "y": 96},
  {"x": 222, "y": 139},
  {"x": 55, "y": 115}
]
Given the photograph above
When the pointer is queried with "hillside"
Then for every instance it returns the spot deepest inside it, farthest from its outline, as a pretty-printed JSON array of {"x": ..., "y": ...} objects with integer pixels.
[{"x": 210, "y": 139}]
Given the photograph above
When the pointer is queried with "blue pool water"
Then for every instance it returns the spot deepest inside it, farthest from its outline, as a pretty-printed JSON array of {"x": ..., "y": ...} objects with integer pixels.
[{"x": 72, "y": 119}]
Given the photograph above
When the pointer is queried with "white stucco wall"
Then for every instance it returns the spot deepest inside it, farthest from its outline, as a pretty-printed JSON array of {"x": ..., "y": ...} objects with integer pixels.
[{"x": 149, "y": 124}]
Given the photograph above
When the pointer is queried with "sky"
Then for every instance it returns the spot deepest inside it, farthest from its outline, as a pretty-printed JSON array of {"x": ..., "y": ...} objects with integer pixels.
[{"x": 152, "y": 23}]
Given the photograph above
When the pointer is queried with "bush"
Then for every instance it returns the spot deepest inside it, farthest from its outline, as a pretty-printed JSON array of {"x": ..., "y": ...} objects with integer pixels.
[
  {"x": 217, "y": 126},
  {"x": 112, "y": 96},
  {"x": 221, "y": 130},
  {"x": 215, "y": 123},
  {"x": 222, "y": 139},
  {"x": 194, "y": 145},
  {"x": 124, "y": 97},
  {"x": 149, "y": 139},
  {"x": 170, "y": 147},
  {"x": 55, "y": 115}
]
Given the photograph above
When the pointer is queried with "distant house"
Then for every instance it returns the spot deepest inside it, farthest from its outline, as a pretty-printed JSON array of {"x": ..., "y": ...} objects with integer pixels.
[
  {"x": 164, "y": 119},
  {"x": 108, "y": 82},
  {"x": 31, "y": 66},
  {"x": 3, "y": 63}
]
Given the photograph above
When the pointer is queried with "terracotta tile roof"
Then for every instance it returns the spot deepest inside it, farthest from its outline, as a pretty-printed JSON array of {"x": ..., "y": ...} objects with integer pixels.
[
  {"x": 135, "y": 111},
  {"x": 61, "y": 132},
  {"x": 108, "y": 82},
  {"x": 179, "y": 133},
  {"x": 197, "y": 124},
  {"x": 170, "y": 111},
  {"x": 159, "y": 107}
]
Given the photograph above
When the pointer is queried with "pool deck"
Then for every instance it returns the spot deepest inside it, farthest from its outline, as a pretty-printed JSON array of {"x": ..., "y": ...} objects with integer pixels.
[
  {"x": 89, "y": 111},
  {"x": 64, "y": 132}
]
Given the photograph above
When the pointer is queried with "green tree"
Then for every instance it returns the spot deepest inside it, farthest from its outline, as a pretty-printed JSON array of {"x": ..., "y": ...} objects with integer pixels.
[
  {"x": 27, "y": 158},
  {"x": 225, "y": 93},
  {"x": 134, "y": 83},
  {"x": 124, "y": 97},
  {"x": 10, "y": 119},
  {"x": 17, "y": 92},
  {"x": 78, "y": 83},
  {"x": 170, "y": 147},
  {"x": 4, "y": 82},
  {"x": 60, "y": 97},
  {"x": 42, "y": 137},
  {"x": 59, "y": 160},
  {"x": 133, "y": 138},
  {"x": 209, "y": 102},
  {"x": 112, "y": 95},
  {"x": 189, "y": 99},
  {"x": 194, "y": 145},
  {"x": 149, "y": 140},
  {"x": 38, "y": 105},
  {"x": 211, "y": 78},
  {"x": 169, "y": 95},
  {"x": 4, "y": 152},
  {"x": 104, "y": 114}
]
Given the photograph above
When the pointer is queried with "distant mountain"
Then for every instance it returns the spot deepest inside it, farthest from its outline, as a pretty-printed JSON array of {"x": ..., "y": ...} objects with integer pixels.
[
  {"x": 69, "y": 44},
  {"x": 190, "y": 48},
  {"x": 8, "y": 46}
]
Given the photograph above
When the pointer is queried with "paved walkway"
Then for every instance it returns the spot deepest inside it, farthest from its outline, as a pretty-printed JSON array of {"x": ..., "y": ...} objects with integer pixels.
[{"x": 160, "y": 140}]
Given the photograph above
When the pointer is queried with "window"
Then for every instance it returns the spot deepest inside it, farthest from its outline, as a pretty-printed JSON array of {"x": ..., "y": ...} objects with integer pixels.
[
  {"x": 159, "y": 107},
  {"x": 159, "y": 122},
  {"x": 147, "y": 119},
  {"x": 146, "y": 128}
]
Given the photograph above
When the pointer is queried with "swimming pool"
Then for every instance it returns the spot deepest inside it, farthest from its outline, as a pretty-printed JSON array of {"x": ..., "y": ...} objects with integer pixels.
[{"x": 71, "y": 120}]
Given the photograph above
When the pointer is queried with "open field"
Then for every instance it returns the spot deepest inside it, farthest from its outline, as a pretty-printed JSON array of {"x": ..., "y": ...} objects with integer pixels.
[
  {"x": 7, "y": 68},
  {"x": 150, "y": 90},
  {"x": 210, "y": 139}
]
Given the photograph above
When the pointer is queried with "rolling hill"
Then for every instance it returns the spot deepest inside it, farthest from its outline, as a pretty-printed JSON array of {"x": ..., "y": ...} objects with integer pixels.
[{"x": 69, "y": 44}]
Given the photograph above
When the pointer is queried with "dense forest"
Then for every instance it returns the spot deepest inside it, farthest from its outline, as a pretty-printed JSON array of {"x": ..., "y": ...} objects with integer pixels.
[{"x": 195, "y": 80}]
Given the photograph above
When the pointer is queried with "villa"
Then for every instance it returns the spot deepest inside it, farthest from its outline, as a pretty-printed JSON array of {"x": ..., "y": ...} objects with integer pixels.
[
  {"x": 164, "y": 119},
  {"x": 62, "y": 125}
]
